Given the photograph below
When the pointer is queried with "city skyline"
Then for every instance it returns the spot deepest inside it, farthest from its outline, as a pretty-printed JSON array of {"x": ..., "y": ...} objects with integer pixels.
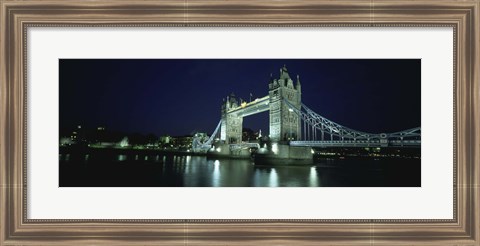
[{"x": 181, "y": 96}]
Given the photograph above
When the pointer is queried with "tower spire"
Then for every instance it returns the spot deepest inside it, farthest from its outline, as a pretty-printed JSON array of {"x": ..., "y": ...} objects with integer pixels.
[
  {"x": 298, "y": 85},
  {"x": 284, "y": 73}
]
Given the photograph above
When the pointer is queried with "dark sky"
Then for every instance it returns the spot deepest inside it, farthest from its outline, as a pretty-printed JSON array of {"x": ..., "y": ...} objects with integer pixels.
[{"x": 181, "y": 96}]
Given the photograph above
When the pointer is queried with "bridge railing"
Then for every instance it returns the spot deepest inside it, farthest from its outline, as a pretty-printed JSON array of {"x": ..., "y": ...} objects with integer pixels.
[{"x": 359, "y": 143}]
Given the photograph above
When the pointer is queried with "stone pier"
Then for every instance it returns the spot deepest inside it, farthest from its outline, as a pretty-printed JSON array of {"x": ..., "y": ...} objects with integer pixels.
[
  {"x": 223, "y": 150},
  {"x": 284, "y": 154}
]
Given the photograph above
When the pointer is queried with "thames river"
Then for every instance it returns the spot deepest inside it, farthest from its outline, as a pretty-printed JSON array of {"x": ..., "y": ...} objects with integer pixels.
[{"x": 198, "y": 171}]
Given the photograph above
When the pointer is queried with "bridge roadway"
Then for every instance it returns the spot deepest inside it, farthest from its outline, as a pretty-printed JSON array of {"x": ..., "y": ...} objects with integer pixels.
[{"x": 358, "y": 143}]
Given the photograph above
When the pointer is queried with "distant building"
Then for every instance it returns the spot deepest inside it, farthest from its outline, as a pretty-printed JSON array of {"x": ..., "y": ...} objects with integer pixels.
[
  {"x": 78, "y": 135},
  {"x": 74, "y": 136},
  {"x": 248, "y": 135},
  {"x": 182, "y": 142},
  {"x": 66, "y": 141},
  {"x": 201, "y": 135},
  {"x": 165, "y": 139}
]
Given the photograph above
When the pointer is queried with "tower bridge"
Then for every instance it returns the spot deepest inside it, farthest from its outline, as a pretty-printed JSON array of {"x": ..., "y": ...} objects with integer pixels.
[
  {"x": 283, "y": 95},
  {"x": 293, "y": 127}
]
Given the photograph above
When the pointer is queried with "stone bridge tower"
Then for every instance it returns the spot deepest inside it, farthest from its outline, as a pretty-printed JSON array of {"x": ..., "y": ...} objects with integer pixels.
[
  {"x": 285, "y": 124},
  {"x": 232, "y": 123}
]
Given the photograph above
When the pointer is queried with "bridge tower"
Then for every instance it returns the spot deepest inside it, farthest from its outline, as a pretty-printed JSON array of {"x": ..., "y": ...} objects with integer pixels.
[
  {"x": 231, "y": 126},
  {"x": 285, "y": 124}
]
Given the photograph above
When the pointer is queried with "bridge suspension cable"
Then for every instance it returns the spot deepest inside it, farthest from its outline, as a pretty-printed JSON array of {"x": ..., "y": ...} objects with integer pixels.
[
  {"x": 214, "y": 134},
  {"x": 314, "y": 123},
  {"x": 198, "y": 145}
]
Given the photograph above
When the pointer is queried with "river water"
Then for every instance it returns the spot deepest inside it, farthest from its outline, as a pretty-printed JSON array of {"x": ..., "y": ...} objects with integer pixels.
[{"x": 198, "y": 171}]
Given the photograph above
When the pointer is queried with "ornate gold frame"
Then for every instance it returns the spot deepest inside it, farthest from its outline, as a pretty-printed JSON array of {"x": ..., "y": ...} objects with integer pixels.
[{"x": 17, "y": 16}]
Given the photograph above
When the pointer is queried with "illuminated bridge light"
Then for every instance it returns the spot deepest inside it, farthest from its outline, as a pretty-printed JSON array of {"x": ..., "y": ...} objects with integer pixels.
[{"x": 275, "y": 148}]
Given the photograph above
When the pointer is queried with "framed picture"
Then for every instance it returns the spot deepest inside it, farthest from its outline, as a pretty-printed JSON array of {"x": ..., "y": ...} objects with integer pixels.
[{"x": 177, "y": 122}]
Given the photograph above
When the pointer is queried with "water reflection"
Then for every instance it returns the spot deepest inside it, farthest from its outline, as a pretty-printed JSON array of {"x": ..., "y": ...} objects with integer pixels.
[
  {"x": 198, "y": 171},
  {"x": 273, "y": 178},
  {"x": 216, "y": 173},
  {"x": 313, "y": 177}
]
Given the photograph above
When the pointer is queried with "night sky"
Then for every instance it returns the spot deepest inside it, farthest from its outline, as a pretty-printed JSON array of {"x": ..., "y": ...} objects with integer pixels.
[{"x": 183, "y": 96}]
